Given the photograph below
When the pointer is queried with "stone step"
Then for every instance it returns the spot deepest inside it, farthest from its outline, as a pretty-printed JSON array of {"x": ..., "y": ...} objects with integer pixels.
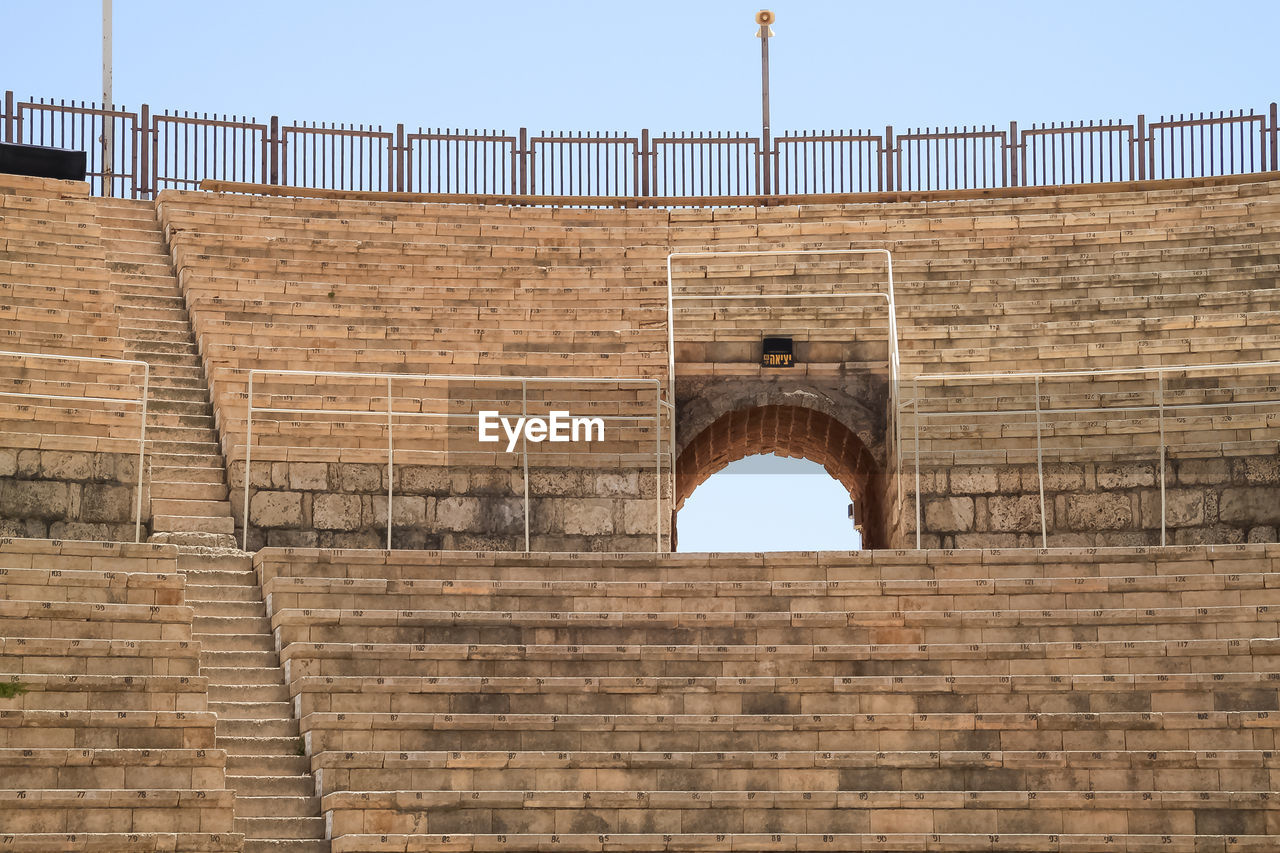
[
  {"x": 129, "y": 262},
  {"x": 214, "y": 658},
  {"x": 192, "y": 524},
  {"x": 188, "y": 474},
  {"x": 273, "y": 765},
  {"x": 260, "y": 728},
  {"x": 169, "y": 359},
  {"x": 276, "y": 806},
  {"x": 185, "y": 491},
  {"x": 248, "y": 693},
  {"x": 278, "y": 786},
  {"x": 236, "y": 643},
  {"x": 157, "y": 343},
  {"x": 219, "y": 567},
  {"x": 279, "y": 827},
  {"x": 193, "y": 539},
  {"x": 253, "y": 711},
  {"x": 201, "y": 449},
  {"x": 179, "y": 407},
  {"x": 201, "y": 508},
  {"x": 286, "y": 845},
  {"x": 129, "y": 328},
  {"x": 211, "y": 593},
  {"x": 243, "y": 675},
  {"x": 227, "y": 609},
  {"x": 260, "y": 744}
]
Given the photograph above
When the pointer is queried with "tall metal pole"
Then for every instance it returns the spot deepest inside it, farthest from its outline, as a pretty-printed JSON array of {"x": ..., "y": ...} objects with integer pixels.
[
  {"x": 107, "y": 165},
  {"x": 764, "y": 18}
]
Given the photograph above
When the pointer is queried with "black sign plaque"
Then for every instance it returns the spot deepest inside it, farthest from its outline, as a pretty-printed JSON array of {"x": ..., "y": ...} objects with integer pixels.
[{"x": 777, "y": 352}]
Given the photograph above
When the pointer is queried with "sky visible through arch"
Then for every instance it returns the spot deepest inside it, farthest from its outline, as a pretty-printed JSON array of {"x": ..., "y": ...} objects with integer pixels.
[{"x": 667, "y": 66}]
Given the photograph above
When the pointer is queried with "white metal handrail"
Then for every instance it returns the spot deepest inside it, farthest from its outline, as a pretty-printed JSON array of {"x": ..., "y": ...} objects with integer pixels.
[
  {"x": 142, "y": 421},
  {"x": 894, "y": 363},
  {"x": 1035, "y": 377},
  {"x": 391, "y": 414}
]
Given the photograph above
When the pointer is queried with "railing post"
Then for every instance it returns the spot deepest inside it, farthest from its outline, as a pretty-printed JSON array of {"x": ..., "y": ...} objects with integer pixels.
[
  {"x": 248, "y": 461},
  {"x": 1044, "y": 524},
  {"x": 887, "y": 182},
  {"x": 1141, "y": 149},
  {"x": 273, "y": 152},
  {"x": 397, "y": 160},
  {"x": 642, "y": 162},
  {"x": 391, "y": 451},
  {"x": 524, "y": 452},
  {"x": 657, "y": 466},
  {"x": 142, "y": 448},
  {"x": 522, "y": 163},
  {"x": 1160, "y": 406},
  {"x": 1275, "y": 138},
  {"x": 1014, "y": 147},
  {"x": 915, "y": 402},
  {"x": 8, "y": 116},
  {"x": 142, "y": 151}
]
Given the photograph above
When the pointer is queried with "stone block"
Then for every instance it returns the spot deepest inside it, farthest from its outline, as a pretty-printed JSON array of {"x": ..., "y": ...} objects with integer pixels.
[
  {"x": 66, "y": 465},
  {"x": 1260, "y": 470},
  {"x": 1183, "y": 508},
  {"x": 276, "y": 509},
  {"x": 1014, "y": 513},
  {"x": 502, "y": 515},
  {"x": 458, "y": 514},
  {"x": 1104, "y": 511},
  {"x": 1058, "y": 477},
  {"x": 1126, "y": 476},
  {"x": 948, "y": 515},
  {"x": 308, "y": 476},
  {"x": 335, "y": 512},
  {"x": 613, "y": 483},
  {"x": 967, "y": 480},
  {"x": 588, "y": 516},
  {"x": 364, "y": 478},
  {"x": 28, "y": 463},
  {"x": 1202, "y": 472},
  {"x": 34, "y": 499},
  {"x": 1262, "y": 534},
  {"x": 1250, "y": 505},
  {"x": 8, "y": 463},
  {"x": 407, "y": 510},
  {"x": 423, "y": 480},
  {"x": 555, "y": 481},
  {"x": 104, "y": 502},
  {"x": 638, "y": 516}
]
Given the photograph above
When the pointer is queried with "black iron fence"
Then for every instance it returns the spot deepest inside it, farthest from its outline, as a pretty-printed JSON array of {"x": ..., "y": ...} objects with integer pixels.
[{"x": 155, "y": 151}]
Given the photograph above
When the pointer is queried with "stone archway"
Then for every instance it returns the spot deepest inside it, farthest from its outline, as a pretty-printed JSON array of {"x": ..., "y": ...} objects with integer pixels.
[{"x": 793, "y": 431}]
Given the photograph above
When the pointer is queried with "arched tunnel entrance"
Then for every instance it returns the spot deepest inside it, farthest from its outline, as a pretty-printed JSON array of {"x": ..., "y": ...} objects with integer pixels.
[{"x": 793, "y": 431}]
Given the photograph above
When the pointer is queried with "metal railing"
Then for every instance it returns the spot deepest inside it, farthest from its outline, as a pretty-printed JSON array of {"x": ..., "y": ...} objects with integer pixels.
[
  {"x": 1125, "y": 402},
  {"x": 391, "y": 414},
  {"x": 84, "y": 398},
  {"x": 171, "y": 149}
]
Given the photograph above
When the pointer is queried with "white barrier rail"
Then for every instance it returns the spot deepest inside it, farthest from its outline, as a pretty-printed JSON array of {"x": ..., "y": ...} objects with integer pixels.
[
  {"x": 1158, "y": 406},
  {"x": 141, "y": 402},
  {"x": 391, "y": 414}
]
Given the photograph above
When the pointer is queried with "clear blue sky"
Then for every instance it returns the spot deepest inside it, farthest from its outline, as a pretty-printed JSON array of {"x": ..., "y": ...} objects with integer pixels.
[{"x": 663, "y": 65}]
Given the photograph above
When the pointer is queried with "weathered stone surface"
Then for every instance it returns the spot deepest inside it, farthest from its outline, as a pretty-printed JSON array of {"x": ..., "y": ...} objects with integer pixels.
[
  {"x": 104, "y": 502},
  {"x": 617, "y": 483},
  {"x": 638, "y": 516},
  {"x": 588, "y": 516},
  {"x": 1250, "y": 505},
  {"x": 365, "y": 478},
  {"x": 1261, "y": 470},
  {"x": 423, "y": 480},
  {"x": 948, "y": 515},
  {"x": 1262, "y": 534},
  {"x": 457, "y": 513},
  {"x": 1058, "y": 477},
  {"x": 407, "y": 510},
  {"x": 66, "y": 465},
  {"x": 555, "y": 481},
  {"x": 1183, "y": 508},
  {"x": 967, "y": 480},
  {"x": 34, "y": 499},
  {"x": 1014, "y": 513},
  {"x": 308, "y": 476},
  {"x": 336, "y": 512},
  {"x": 28, "y": 463},
  {"x": 1102, "y": 511},
  {"x": 1126, "y": 476},
  {"x": 8, "y": 463},
  {"x": 502, "y": 515},
  {"x": 276, "y": 509},
  {"x": 1196, "y": 472}
]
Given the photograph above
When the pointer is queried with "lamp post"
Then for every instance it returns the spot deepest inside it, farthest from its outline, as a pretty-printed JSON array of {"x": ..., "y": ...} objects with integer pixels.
[
  {"x": 107, "y": 146},
  {"x": 764, "y": 18}
]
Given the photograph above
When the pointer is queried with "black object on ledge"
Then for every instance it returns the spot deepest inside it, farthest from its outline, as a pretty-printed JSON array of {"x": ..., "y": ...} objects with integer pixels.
[{"x": 37, "y": 161}]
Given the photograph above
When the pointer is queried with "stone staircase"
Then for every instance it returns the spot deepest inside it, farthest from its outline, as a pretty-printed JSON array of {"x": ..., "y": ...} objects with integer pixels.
[
  {"x": 275, "y": 803},
  {"x": 189, "y": 502}
]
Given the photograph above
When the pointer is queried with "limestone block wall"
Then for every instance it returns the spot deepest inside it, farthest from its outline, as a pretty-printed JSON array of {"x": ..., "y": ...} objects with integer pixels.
[
  {"x": 344, "y": 505},
  {"x": 62, "y": 494},
  {"x": 1096, "y": 504}
]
